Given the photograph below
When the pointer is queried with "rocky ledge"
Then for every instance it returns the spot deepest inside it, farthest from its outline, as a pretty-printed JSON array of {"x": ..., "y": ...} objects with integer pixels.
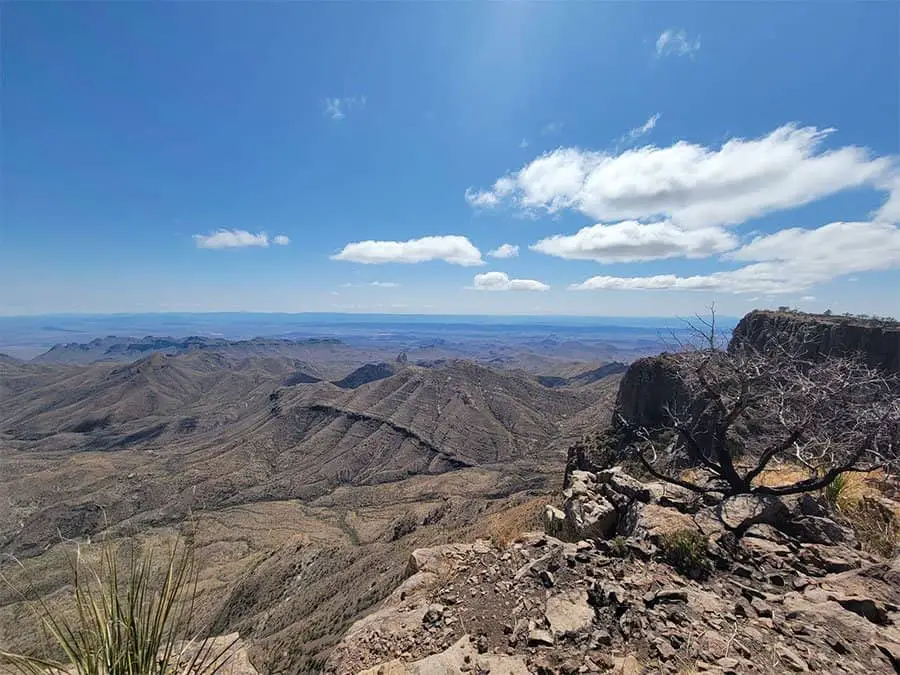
[{"x": 636, "y": 577}]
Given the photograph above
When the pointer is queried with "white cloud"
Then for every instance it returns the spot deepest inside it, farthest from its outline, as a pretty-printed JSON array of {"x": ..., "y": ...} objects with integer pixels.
[
  {"x": 808, "y": 298},
  {"x": 499, "y": 281},
  {"x": 281, "y": 240},
  {"x": 505, "y": 251},
  {"x": 694, "y": 186},
  {"x": 676, "y": 42},
  {"x": 482, "y": 199},
  {"x": 453, "y": 249},
  {"x": 788, "y": 261},
  {"x": 642, "y": 130},
  {"x": 631, "y": 241},
  {"x": 236, "y": 239},
  {"x": 337, "y": 108},
  {"x": 890, "y": 211}
]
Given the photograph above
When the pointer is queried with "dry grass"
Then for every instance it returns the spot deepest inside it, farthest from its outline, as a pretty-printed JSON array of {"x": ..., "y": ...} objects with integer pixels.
[
  {"x": 860, "y": 501},
  {"x": 783, "y": 474},
  {"x": 505, "y": 527},
  {"x": 774, "y": 476}
]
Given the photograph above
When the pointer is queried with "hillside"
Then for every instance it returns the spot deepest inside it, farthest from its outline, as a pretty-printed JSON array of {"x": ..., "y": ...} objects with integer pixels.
[{"x": 269, "y": 458}]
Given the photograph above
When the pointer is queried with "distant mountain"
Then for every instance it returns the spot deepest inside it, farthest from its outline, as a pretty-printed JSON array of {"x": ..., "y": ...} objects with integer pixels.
[
  {"x": 365, "y": 374},
  {"x": 113, "y": 348},
  {"x": 204, "y": 412},
  {"x": 584, "y": 378}
]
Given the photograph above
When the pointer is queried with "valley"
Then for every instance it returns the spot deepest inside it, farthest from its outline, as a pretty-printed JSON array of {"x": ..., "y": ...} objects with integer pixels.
[{"x": 304, "y": 470}]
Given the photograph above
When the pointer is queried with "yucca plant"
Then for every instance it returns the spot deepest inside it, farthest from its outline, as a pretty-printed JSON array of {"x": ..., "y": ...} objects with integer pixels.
[
  {"x": 136, "y": 620},
  {"x": 835, "y": 490}
]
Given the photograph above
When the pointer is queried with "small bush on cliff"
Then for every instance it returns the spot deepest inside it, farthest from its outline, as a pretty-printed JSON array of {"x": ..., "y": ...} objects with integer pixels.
[
  {"x": 688, "y": 552},
  {"x": 134, "y": 618}
]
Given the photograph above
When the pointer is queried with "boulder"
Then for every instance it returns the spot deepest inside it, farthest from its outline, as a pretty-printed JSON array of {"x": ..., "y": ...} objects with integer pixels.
[
  {"x": 673, "y": 496},
  {"x": 590, "y": 519},
  {"x": 651, "y": 522},
  {"x": 569, "y": 613},
  {"x": 581, "y": 484},
  {"x": 620, "y": 482},
  {"x": 819, "y": 530},
  {"x": 555, "y": 523},
  {"x": 739, "y": 512}
]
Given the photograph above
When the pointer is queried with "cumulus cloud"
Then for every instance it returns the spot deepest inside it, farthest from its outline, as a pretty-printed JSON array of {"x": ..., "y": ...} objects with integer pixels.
[
  {"x": 505, "y": 251},
  {"x": 677, "y": 43},
  {"x": 454, "y": 249},
  {"x": 499, "y": 281},
  {"x": 784, "y": 262},
  {"x": 631, "y": 241},
  {"x": 337, "y": 108},
  {"x": 237, "y": 239},
  {"x": 692, "y": 185},
  {"x": 642, "y": 130}
]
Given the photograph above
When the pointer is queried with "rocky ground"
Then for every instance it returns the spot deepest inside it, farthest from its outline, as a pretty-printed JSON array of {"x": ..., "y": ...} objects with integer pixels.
[{"x": 795, "y": 593}]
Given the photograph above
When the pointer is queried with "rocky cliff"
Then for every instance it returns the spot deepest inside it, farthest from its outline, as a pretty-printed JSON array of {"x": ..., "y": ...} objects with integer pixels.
[
  {"x": 673, "y": 592},
  {"x": 878, "y": 342}
]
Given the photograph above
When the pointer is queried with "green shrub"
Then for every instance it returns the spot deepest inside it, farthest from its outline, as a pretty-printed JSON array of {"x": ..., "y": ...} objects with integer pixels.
[
  {"x": 618, "y": 547},
  {"x": 688, "y": 552},
  {"x": 131, "y": 619},
  {"x": 835, "y": 489}
]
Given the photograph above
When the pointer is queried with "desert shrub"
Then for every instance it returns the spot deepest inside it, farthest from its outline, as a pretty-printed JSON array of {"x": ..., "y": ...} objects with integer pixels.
[
  {"x": 134, "y": 618},
  {"x": 618, "y": 547},
  {"x": 688, "y": 552}
]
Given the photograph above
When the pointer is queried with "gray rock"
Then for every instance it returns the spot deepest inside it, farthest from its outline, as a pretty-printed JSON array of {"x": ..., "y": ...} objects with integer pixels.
[
  {"x": 819, "y": 530},
  {"x": 791, "y": 659},
  {"x": 569, "y": 613},
  {"x": 434, "y": 614},
  {"x": 554, "y": 522},
  {"x": 810, "y": 506},
  {"x": 538, "y": 637},
  {"x": 761, "y": 608},
  {"x": 664, "y": 648},
  {"x": 742, "y": 511},
  {"x": 619, "y": 481},
  {"x": 591, "y": 519}
]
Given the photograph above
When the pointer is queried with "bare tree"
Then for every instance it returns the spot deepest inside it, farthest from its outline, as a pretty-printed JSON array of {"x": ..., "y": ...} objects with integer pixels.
[{"x": 748, "y": 408}]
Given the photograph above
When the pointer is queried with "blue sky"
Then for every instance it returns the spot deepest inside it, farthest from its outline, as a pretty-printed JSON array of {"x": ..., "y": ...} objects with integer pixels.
[{"x": 739, "y": 152}]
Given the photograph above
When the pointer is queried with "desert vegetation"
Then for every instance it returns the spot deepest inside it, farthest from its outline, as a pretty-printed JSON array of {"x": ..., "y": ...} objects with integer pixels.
[
  {"x": 127, "y": 617},
  {"x": 749, "y": 407}
]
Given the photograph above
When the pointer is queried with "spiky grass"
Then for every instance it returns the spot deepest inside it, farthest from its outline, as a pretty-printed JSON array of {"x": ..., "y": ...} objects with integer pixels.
[{"x": 131, "y": 619}]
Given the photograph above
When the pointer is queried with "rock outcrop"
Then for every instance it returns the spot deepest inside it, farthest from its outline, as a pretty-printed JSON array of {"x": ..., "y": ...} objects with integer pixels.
[
  {"x": 877, "y": 342},
  {"x": 770, "y": 602}
]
